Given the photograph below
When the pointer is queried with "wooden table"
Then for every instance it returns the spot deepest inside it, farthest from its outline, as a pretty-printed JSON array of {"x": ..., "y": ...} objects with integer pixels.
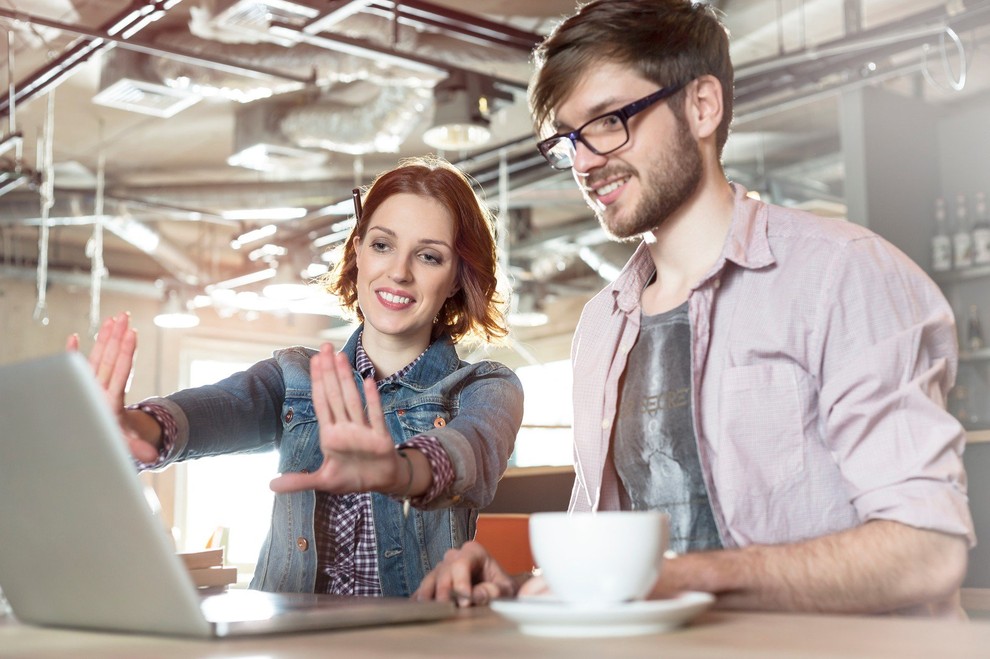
[{"x": 482, "y": 633}]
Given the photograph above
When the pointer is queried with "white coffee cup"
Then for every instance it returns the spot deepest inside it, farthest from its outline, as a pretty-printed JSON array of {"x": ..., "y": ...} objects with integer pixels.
[{"x": 599, "y": 558}]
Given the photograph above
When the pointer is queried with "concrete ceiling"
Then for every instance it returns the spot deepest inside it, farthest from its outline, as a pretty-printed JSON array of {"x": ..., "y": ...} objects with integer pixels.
[{"x": 168, "y": 180}]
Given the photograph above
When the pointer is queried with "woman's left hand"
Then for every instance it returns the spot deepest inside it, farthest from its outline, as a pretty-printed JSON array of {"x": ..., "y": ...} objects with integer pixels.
[{"x": 358, "y": 452}]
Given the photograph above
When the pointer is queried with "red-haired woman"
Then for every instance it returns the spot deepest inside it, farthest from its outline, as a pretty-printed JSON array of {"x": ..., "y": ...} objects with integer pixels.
[{"x": 388, "y": 447}]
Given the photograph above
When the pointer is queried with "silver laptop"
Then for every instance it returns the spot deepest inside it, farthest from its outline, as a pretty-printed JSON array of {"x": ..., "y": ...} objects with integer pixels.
[{"x": 81, "y": 547}]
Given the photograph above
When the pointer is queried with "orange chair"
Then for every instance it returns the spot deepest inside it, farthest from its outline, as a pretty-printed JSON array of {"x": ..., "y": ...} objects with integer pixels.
[{"x": 506, "y": 537}]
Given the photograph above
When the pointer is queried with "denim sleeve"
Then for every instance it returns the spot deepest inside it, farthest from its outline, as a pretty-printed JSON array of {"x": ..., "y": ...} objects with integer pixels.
[
  {"x": 241, "y": 413},
  {"x": 480, "y": 439}
]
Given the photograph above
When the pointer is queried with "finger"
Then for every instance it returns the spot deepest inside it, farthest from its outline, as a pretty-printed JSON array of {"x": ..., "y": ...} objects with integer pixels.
[
  {"x": 534, "y": 586},
  {"x": 427, "y": 587},
  {"x": 112, "y": 350},
  {"x": 348, "y": 389},
  {"x": 484, "y": 593},
  {"x": 337, "y": 381},
  {"x": 100, "y": 345},
  {"x": 72, "y": 343},
  {"x": 461, "y": 581},
  {"x": 323, "y": 414},
  {"x": 375, "y": 415},
  {"x": 295, "y": 482},
  {"x": 123, "y": 365}
]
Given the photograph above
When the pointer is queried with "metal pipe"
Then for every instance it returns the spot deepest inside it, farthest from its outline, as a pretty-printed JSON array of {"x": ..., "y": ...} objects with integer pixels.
[{"x": 94, "y": 41}]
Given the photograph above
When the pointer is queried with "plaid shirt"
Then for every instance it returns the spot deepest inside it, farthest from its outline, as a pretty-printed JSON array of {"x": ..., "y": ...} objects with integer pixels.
[{"x": 347, "y": 554}]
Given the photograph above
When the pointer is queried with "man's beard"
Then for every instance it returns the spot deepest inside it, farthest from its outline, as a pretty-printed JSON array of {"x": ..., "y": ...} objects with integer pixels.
[{"x": 671, "y": 181}]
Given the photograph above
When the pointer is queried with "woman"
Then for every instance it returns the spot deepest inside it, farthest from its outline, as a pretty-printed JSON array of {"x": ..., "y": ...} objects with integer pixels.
[{"x": 395, "y": 418}]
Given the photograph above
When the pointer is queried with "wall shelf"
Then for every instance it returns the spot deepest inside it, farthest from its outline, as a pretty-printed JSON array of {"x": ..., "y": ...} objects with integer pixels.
[
  {"x": 977, "y": 436},
  {"x": 957, "y": 276},
  {"x": 981, "y": 355}
]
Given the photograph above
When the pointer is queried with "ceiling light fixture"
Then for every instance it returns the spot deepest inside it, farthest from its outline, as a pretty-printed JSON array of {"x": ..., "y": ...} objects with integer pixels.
[
  {"x": 268, "y": 214},
  {"x": 254, "y": 235},
  {"x": 526, "y": 310},
  {"x": 462, "y": 116},
  {"x": 176, "y": 313},
  {"x": 287, "y": 284}
]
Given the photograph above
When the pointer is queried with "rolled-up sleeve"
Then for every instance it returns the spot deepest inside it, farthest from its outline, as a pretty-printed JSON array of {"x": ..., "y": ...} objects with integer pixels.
[
  {"x": 889, "y": 355},
  {"x": 480, "y": 438}
]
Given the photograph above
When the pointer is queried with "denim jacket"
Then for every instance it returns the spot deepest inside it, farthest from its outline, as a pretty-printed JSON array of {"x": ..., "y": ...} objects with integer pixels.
[{"x": 474, "y": 411}]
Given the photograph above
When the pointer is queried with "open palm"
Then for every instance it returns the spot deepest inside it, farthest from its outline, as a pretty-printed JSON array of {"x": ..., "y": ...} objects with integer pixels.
[{"x": 358, "y": 452}]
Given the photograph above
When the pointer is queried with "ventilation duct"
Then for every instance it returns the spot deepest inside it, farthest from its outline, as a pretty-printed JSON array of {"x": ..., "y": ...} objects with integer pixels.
[
  {"x": 246, "y": 21},
  {"x": 260, "y": 144},
  {"x": 127, "y": 85},
  {"x": 379, "y": 126}
]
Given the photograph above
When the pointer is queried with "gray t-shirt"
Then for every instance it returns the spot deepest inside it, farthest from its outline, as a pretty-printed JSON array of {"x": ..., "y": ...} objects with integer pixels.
[{"x": 655, "y": 450}]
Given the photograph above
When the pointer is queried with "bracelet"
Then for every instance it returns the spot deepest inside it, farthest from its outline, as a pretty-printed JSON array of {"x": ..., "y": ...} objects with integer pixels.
[{"x": 409, "y": 485}]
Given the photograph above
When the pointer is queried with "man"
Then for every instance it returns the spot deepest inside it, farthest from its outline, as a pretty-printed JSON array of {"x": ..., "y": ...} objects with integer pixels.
[{"x": 774, "y": 380}]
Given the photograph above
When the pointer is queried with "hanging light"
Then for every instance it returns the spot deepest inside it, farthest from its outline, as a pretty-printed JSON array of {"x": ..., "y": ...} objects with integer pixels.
[
  {"x": 287, "y": 284},
  {"x": 462, "y": 116},
  {"x": 526, "y": 310},
  {"x": 176, "y": 313}
]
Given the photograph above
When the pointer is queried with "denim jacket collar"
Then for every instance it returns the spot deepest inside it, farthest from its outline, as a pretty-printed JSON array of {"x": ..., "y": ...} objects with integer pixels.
[{"x": 439, "y": 361}]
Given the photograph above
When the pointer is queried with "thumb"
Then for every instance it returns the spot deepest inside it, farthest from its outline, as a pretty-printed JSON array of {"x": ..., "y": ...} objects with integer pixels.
[{"x": 293, "y": 482}]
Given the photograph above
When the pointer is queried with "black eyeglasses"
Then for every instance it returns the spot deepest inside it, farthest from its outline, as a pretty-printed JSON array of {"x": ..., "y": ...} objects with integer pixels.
[{"x": 603, "y": 134}]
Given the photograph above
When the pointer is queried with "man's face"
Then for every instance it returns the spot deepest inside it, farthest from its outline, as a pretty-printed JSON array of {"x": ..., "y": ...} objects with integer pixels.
[{"x": 634, "y": 189}]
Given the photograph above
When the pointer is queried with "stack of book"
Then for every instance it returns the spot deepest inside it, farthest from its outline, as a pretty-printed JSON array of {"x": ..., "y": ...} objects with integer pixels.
[{"x": 207, "y": 569}]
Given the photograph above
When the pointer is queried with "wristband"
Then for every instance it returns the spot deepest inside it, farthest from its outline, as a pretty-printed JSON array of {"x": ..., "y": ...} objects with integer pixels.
[{"x": 409, "y": 485}]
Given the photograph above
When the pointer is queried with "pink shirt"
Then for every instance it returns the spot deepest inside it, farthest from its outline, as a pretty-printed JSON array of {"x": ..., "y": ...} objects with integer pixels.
[{"x": 821, "y": 359}]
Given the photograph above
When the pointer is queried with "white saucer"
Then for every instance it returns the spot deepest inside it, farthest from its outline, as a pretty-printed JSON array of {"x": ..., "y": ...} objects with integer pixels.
[{"x": 547, "y": 616}]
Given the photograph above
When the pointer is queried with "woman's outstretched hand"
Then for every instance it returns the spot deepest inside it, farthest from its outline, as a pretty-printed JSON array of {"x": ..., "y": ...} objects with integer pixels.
[
  {"x": 358, "y": 452},
  {"x": 112, "y": 361}
]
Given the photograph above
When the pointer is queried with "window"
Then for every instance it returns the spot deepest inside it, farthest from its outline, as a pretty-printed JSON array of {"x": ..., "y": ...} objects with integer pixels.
[
  {"x": 225, "y": 492},
  {"x": 546, "y": 436}
]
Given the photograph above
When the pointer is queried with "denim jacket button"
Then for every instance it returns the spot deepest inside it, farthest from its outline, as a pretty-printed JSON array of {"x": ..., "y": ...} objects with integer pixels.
[
  {"x": 288, "y": 415},
  {"x": 439, "y": 422},
  {"x": 302, "y": 543},
  {"x": 400, "y": 412}
]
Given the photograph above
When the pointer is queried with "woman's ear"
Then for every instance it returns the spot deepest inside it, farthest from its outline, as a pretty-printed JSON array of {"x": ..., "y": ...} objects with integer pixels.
[{"x": 703, "y": 106}]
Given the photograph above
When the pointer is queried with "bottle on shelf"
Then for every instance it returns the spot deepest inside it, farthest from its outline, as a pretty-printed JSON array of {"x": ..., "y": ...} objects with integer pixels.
[
  {"x": 962, "y": 239},
  {"x": 974, "y": 331},
  {"x": 981, "y": 230},
  {"x": 941, "y": 242}
]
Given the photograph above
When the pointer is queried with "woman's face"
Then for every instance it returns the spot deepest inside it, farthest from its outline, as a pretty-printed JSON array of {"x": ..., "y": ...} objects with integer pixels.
[{"x": 406, "y": 268}]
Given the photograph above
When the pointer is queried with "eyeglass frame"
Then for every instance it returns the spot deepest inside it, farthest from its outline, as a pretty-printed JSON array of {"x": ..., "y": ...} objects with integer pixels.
[{"x": 625, "y": 113}]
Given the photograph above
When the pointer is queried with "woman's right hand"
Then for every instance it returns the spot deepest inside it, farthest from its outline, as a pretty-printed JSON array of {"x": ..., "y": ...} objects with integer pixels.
[{"x": 112, "y": 361}]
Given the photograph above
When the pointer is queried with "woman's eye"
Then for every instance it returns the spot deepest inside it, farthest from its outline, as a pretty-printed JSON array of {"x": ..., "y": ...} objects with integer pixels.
[
  {"x": 432, "y": 259},
  {"x": 379, "y": 246}
]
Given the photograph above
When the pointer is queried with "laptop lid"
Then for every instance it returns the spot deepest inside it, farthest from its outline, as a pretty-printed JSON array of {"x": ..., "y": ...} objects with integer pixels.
[{"x": 82, "y": 547}]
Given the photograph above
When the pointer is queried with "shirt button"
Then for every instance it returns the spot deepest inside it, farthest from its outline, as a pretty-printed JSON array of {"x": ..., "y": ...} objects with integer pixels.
[
  {"x": 606, "y": 423},
  {"x": 625, "y": 348},
  {"x": 717, "y": 283},
  {"x": 302, "y": 543},
  {"x": 288, "y": 415}
]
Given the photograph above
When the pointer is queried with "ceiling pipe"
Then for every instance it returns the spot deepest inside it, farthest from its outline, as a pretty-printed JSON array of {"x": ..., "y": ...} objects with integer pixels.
[
  {"x": 468, "y": 27},
  {"x": 127, "y": 22},
  {"x": 780, "y": 74},
  {"x": 94, "y": 41}
]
